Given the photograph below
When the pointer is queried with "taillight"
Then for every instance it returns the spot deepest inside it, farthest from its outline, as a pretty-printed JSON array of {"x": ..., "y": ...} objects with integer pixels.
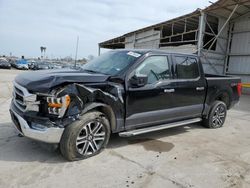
[{"x": 239, "y": 88}]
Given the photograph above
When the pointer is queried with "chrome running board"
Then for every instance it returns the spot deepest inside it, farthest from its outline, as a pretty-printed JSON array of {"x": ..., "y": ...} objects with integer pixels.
[{"x": 158, "y": 127}]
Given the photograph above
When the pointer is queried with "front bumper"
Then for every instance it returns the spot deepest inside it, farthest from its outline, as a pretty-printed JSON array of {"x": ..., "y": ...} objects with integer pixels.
[{"x": 44, "y": 134}]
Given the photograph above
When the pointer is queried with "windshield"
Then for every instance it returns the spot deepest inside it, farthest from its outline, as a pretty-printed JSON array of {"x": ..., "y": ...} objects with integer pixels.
[{"x": 112, "y": 63}]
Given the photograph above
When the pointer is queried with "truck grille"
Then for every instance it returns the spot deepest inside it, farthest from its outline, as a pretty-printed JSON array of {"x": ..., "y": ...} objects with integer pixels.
[
  {"x": 18, "y": 97},
  {"x": 24, "y": 100}
]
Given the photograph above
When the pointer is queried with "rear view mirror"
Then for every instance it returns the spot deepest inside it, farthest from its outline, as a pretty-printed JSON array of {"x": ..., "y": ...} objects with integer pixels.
[{"x": 139, "y": 80}]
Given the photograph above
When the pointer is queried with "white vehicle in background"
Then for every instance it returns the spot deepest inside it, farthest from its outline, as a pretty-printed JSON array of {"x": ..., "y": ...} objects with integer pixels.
[{"x": 22, "y": 66}]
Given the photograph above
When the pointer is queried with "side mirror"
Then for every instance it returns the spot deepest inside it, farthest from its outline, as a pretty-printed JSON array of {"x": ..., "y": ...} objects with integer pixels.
[{"x": 139, "y": 80}]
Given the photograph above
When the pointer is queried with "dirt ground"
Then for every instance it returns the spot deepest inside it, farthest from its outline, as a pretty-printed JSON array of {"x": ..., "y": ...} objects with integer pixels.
[{"x": 190, "y": 156}]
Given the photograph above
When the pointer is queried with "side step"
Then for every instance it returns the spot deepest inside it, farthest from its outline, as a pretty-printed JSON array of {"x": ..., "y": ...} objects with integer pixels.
[{"x": 158, "y": 127}]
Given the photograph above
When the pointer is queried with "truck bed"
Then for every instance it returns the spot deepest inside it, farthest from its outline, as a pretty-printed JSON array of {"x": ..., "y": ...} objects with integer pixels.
[{"x": 222, "y": 85}]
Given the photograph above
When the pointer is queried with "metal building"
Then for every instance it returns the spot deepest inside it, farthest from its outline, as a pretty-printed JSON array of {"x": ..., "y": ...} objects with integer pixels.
[{"x": 219, "y": 34}]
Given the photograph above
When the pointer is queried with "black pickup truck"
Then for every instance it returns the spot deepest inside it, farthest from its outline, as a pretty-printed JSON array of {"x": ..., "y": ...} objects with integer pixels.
[{"x": 129, "y": 92}]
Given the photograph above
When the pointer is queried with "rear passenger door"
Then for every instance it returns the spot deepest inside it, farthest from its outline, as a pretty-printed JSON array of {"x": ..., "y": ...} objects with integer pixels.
[{"x": 189, "y": 91}]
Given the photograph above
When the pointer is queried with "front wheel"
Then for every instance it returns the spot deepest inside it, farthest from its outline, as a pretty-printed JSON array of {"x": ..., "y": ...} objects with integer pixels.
[
  {"x": 217, "y": 115},
  {"x": 85, "y": 137}
]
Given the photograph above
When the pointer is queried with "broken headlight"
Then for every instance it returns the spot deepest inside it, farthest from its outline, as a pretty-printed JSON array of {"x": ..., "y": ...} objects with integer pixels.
[{"x": 58, "y": 106}]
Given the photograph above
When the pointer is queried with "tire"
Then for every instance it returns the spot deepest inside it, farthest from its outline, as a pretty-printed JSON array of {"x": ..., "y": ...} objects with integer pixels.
[
  {"x": 217, "y": 115},
  {"x": 86, "y": 137}
]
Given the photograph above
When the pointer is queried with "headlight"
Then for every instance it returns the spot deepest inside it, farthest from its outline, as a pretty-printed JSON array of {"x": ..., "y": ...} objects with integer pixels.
[{"x": 58, "y": 106}]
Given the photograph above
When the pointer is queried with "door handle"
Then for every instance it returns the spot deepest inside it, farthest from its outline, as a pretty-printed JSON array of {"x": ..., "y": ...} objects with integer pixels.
[
  {"x": 169, "y": 90},
  {"x": 200, "y": 88}
]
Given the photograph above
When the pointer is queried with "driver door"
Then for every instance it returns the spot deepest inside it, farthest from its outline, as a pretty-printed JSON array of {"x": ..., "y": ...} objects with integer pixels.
[{"x": 151, "y": 103}]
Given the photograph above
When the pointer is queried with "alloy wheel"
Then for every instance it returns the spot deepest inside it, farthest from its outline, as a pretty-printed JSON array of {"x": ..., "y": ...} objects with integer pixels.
[
  {"x": 219, "y": 116},
  {"x": 91, "y": 138}
]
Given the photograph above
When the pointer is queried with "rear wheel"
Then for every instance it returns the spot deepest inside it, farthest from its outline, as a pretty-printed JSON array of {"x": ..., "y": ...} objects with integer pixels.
[
  {"x": 86, "y": 137},
  {"x": 217, "y": 115}
]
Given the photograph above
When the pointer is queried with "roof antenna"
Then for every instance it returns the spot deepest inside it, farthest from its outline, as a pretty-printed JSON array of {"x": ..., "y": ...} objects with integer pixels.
[{"x": 77, "y": 40}]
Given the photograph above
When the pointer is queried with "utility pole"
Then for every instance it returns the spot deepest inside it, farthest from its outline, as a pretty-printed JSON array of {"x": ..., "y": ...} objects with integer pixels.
[{"x": 77, "y": 40}]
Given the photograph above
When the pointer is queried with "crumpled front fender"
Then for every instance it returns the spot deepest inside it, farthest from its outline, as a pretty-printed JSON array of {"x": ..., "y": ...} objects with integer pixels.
[{"x": 85, "y": 98}]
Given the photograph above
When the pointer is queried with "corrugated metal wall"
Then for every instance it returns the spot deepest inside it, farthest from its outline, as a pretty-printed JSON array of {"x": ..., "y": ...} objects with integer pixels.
[
  {"x": 145, "y": 40},
  {"x": 213, "y": 63},
  {"x": 239, "y": 53},
  {"x": 189, "y": 48}
]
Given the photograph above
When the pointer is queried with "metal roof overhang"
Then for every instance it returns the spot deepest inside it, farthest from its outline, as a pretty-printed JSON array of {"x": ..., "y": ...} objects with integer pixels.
[
  {"x": 224, "y": 8},
  {"x": 221, "y": 8},
  {"x": 119, "y": 42}
]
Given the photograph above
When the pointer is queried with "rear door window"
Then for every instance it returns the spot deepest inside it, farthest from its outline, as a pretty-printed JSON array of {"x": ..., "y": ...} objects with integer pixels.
[{"x": 186, "y": 67}]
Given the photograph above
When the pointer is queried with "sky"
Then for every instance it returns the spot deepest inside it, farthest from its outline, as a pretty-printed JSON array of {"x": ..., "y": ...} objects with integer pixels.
[{"x": 25, "y": 25}]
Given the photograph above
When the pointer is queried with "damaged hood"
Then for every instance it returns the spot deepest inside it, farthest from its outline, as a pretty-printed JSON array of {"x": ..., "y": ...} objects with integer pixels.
[{"x": 43, "y": 81}]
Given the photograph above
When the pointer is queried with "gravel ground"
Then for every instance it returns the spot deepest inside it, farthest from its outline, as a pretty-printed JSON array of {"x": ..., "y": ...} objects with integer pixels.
[{"x": 190, "y": 156}]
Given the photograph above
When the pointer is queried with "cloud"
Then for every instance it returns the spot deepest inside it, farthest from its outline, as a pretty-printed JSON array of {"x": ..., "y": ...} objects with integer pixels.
[{"x": 26, "y": 25}]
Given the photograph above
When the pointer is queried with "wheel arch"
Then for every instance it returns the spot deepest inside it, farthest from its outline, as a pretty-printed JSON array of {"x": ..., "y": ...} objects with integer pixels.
[
  {"x": 221, "y": 95},
  {"x": 104, "y": 108},
  {"x": 224, "y": 96}
]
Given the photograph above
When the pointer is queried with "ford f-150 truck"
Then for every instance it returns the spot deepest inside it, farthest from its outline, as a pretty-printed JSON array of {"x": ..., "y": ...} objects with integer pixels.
[{"x": 129, "y": 92}]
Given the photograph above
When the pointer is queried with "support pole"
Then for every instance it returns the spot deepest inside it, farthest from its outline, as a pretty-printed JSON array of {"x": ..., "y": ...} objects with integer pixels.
[
  {"x": 77, "y": 41},
  {"x": 228, "y": 48},
  {"x": 99, "y": 50},
  {"x": 185, "y": 26},
  {"x": 134, "y": 40},
  {"x": 201, "y": 31},
  {"x": 172, "y": 29}
]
